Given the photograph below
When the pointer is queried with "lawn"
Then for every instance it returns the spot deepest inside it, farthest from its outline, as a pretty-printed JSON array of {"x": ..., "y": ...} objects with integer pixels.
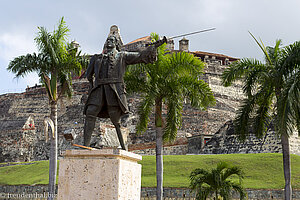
[{"x": 262, "y": 171}]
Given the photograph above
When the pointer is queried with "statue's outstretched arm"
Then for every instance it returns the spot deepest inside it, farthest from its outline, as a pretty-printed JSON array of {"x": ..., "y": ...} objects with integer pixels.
[{"x": 146, "y": 55}]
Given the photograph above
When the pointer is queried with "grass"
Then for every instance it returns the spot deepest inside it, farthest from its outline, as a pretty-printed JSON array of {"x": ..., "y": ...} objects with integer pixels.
[
  {"x": 262, "y": 171},
  {"x": 34, "y": 173}
]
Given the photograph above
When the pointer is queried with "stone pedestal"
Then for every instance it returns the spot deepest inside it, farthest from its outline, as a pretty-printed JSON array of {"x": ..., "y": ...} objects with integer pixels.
[{"x": 106, "y": 174}]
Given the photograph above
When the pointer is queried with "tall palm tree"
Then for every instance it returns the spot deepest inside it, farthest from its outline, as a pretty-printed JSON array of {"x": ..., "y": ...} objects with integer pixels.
[
  {"x": 272, "y": 91},
  {"x": 54, "y": 64},
  {"x": 170, "y": 80},
  {"x": 217, "y": 182}
]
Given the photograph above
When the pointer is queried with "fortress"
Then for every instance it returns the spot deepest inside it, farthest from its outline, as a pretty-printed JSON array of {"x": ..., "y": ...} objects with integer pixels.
[{"x": 211, "y": 131}]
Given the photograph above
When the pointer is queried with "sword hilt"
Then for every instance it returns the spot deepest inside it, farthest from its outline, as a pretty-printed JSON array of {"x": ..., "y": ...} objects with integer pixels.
[{"x": 158, "y": 42}]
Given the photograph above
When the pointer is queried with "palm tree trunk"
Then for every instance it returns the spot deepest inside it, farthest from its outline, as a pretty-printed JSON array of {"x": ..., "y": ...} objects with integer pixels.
[
  {"x": 286, "y": 166},
  {"x": 159, "y": 163},
  {"x": 159, "y": 149},
  {"x": 53, "y": 152}
]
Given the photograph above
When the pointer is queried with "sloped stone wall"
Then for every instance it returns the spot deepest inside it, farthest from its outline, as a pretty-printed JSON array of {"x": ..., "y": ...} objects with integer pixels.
[
  {"x": 16, "y": 108},
  {"x": 18, "y": 144},
  {"x": 225, "y": 141},
  {"x": 295, "y": 144}
]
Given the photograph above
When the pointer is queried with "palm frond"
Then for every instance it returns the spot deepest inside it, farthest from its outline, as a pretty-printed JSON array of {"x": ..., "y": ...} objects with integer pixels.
[
  {"x": 45, "y": 44},
  {"x": 221, "y": 166},
  {"x": 144, "y": 111},
  {"x": 263, "y": 48},
  {"x": 174, "y": 117},
  {"x": 46, "y": 82},
  {"x": 288, "y": 107},
  {"x": 275, "y": 52},
  {"x": 216, "y": 182},
  {"x": 66, "y": 85},
  {"x": 291, "y": 59},
  {"x": 233, "y": 171},
  {"x": 183, "y": 63},
  {"x": 242, "y": 120},
  {"x": 62, "y": 32},
  {"x": 23, "y": 65},
  {"x": 53, "y": 85},
  {"x": 240, "y": 189},
  {"x": 263, "y": 114},
  {"x": 54, "y": 64},
  {"x": 83, "y": 60},
  {"x": 203, "y": 192},
  {"x": 254, "y": 77},
  {"x": 198, "y": 177},
  {"x": 197, "y": 91},
  {"x": 240, "y": 68},
  {"x": 226, "y": 190},
  {"x": 136, "y": 79}
]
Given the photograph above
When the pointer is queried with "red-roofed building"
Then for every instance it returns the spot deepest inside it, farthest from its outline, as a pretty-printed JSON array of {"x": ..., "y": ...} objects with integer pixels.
[{"x": 183, "y": 46}]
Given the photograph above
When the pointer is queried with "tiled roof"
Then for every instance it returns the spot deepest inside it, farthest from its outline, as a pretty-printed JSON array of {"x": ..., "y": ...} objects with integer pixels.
[
  {"x": 196, "y": 53},
  {"x": 146, "y": 38},
  {"x": 218, "y": 56}
]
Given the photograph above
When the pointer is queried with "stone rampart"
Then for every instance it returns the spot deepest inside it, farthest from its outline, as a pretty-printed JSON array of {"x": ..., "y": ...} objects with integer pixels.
[
  {"x": 225, "y": 141},
  {"x": 148, "y": 193},
  {"x": 20, "y": 145}
]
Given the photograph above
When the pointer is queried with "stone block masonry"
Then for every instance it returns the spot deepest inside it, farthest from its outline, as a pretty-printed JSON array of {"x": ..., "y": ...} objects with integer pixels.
[
  {"x": 149, "y": 193},
  {"x": 225, "y": 141},
  {"x": 20, "y": 145}
]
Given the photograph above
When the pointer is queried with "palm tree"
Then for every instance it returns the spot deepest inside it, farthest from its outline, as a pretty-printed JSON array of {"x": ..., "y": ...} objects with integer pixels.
[
  {"x": 169, "y": 80},
  {"x": 217, "y": 182},
  {"x": 54, "y": 63},
  {"x": 272, "y": 92}
]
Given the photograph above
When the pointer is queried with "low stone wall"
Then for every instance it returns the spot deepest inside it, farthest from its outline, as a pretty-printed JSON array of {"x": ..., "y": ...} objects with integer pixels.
[
  {"x": 167, "y": 150},
  {"x": 37, "y": 192},
  {"x": 147, "y": 193}
]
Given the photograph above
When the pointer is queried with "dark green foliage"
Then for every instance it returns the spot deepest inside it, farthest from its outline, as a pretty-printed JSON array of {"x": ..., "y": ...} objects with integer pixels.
[
  {"x": 271, "y": 89},
  {"x": 217, "y": 182},
  {"x": 272, "y": 93},
  {"x": 54, "y": 63},
  {"x": 173, "y": 78}
]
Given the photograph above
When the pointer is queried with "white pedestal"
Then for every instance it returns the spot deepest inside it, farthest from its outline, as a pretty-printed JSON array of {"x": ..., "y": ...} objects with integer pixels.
[{"x": 106, "y": 174}]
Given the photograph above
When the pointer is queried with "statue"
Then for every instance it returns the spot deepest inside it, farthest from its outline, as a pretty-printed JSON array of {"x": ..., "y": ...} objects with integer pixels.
[{"x": 107, "y": 95}]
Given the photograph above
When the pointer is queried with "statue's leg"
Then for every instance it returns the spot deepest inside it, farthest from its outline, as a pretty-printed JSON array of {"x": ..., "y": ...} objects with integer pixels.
[
  {"x": 89, "y": 125},
  {"x": 115, "y": 115}
]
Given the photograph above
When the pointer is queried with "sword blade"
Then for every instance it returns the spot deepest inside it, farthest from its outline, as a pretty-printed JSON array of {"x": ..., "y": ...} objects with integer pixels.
[{"x": 177, "y": 36}]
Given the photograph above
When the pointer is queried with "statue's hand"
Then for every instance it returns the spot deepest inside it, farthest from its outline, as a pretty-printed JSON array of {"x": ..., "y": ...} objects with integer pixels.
[{"x": 158, "y": 43}]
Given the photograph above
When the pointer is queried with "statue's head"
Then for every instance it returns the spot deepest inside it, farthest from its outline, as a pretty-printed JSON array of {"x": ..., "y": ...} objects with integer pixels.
[
  {"x": 112, "y": 42},
  {"x": 114, "y": 38}
]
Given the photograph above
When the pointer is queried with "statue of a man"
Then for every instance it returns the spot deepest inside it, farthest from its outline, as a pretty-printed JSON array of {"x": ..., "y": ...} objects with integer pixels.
[{"x": 107, "y": 95}]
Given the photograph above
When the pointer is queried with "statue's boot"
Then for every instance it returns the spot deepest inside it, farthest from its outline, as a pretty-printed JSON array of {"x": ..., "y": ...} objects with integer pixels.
[
  {"x": 120, "y": 136},
  {"x": 89, "y": 126},
  {"x": 115, "y": 115}
]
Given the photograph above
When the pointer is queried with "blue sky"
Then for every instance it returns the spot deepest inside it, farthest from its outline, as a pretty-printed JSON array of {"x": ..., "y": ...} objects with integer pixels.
[{"x": 90, "y": 21}]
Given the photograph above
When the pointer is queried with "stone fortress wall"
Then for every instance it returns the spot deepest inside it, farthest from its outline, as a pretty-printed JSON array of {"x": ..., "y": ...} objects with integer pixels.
[{"x": 22, "y": 116}]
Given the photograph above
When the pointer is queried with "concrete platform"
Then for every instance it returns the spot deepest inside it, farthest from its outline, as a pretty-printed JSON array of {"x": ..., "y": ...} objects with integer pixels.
[{"x": 99, "y": 174}]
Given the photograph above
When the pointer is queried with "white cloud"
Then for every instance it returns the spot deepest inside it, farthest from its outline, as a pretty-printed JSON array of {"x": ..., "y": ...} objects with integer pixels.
[{"x": 15, "y": 44}]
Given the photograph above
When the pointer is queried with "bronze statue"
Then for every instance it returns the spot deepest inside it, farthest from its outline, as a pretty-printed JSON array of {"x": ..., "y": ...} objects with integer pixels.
[{"x": 107, "y": 95}]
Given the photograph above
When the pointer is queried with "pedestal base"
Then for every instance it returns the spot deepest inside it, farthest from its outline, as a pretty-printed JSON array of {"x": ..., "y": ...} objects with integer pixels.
[{"x": 104, "y": 174}]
